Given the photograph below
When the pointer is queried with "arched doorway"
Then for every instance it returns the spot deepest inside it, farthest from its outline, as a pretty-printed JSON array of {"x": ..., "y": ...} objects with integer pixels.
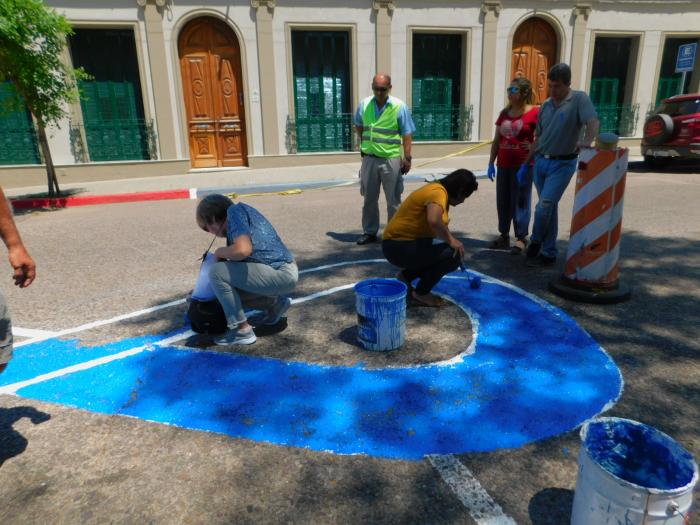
[
  {"x": 210, "y": 62},
  {"x": 534, "y": 52}
]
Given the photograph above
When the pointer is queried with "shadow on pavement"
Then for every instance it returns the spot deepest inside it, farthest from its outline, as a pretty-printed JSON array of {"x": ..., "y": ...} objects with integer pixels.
[
  {"x": 551, "y": 506},
  {"x": 344, "y": 237},
  {"x": 12, "y": 443}
]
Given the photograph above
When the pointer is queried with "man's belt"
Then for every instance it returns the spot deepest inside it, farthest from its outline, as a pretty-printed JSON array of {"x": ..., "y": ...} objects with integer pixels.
[
  {"x": 570, "y": 156},
  {"x": 372, "y": 155}
]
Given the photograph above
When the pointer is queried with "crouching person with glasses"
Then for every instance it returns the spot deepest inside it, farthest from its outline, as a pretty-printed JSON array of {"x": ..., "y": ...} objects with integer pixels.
[{"x": 255, "y": 270}]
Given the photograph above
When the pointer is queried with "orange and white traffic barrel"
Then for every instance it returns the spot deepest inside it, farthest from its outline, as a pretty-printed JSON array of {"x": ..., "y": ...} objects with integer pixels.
[{"x": 592, "y": 270}]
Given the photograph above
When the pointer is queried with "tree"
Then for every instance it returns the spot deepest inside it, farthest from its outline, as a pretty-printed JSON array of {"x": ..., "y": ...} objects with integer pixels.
[{"x": 32, "y": 40}]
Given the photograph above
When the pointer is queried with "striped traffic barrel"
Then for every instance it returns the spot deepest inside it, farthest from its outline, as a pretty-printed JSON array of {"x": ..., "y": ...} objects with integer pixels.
[{"x": 592, "y": 272}]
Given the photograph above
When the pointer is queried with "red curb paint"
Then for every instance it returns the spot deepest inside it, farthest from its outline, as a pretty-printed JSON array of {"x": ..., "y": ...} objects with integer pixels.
[{"x": 87, "y": 200}]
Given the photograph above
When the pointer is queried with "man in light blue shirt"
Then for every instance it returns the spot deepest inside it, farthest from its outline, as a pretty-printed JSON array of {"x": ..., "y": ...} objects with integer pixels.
[
  {"x": 385, "y": 127},
  {"x": 558, "y": 140}
]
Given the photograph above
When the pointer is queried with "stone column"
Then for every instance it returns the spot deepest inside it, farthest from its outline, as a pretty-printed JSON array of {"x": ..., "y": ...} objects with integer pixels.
[
  {"x": 157, "y": 58},
  {"x": 384, "y": 9},
  {"x": 490, "y": 10},
  {"x": 266, "y": 67},
  {"x": 578, "y": 75}
]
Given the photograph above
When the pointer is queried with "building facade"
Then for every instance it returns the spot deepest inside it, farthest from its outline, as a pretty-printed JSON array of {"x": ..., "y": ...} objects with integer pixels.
[{"x": 178, "y": 85}]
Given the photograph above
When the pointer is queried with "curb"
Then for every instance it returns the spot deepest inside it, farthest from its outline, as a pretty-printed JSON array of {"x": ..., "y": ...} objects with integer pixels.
[
  {"x": 195, "y": 193},
  {"x": 87, "y": 200}
]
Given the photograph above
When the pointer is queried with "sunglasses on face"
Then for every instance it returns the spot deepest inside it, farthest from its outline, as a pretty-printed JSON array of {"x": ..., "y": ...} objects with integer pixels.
[
  {"x": 380, "y": 89},
  {"x": 513, "y": 90}
]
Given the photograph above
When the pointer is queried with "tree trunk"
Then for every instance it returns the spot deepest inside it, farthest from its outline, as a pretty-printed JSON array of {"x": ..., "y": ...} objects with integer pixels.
[{"x": 50, "y": 170}]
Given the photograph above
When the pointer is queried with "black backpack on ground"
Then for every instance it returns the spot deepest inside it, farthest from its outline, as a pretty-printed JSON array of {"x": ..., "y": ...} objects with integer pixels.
[{"x": 207, "y": 317}]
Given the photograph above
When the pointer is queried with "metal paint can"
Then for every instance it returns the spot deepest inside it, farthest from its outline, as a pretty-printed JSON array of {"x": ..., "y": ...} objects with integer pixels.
[
  {"x": 381, "y": 313},
  {"x": 632, "y": 473}
]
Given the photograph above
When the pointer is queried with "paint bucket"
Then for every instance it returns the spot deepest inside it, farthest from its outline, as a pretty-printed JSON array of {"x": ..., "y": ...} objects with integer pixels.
[
  {"x": 632, "y": 473},
  {"x": 381, "y": 313}
]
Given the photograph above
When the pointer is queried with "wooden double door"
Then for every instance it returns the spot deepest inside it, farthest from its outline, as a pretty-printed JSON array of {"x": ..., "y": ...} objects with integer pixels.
[
  {"x": 534, "y": 52},
  {"x": 210, "y": 62}
]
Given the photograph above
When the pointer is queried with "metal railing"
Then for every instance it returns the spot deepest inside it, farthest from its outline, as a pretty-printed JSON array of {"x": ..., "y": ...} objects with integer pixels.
[
  {"x": 114, "y": 140},
  {"x": 443, "y": 122},
  {"x": 329, "y": 132},
  {"x": 619, "y": 119},
  {"x": 18, "y": 145}
]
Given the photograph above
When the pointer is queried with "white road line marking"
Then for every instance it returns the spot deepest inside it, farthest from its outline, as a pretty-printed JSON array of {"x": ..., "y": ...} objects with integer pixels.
[
  {"x": 345, "y": 263},
  {"x": 12, "y": 388},
  {"x": 96, "y": 324},
  {"x": 482, "y": 508},
  {"x": 30, "y": 332},
  {"x": 43, "y": 335},
  {"x": 322, "y": 293}
]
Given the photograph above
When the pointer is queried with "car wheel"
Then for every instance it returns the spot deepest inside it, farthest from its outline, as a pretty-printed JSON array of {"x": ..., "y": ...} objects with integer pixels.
[
  {"x": 658, "y": 129},
  {"x": 656, "y": 162}
]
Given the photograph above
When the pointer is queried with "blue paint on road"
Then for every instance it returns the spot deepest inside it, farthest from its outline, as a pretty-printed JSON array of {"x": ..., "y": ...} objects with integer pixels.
[{"x": 534, "y": 374}]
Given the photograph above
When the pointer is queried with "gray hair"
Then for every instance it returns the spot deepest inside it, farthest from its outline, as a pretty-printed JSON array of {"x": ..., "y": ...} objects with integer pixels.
[{"x": 212, "y": 208}]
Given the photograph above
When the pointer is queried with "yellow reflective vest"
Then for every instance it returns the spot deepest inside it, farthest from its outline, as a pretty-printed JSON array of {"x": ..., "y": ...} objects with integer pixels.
[{"x": 381, "y": 136}]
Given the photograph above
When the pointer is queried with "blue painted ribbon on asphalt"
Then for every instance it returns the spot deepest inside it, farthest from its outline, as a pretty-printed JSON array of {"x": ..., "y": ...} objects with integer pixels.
[{"x": 534, "y": 374}]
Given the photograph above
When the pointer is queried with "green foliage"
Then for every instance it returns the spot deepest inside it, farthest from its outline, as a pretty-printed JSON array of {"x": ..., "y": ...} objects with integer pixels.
[{"x": 32, "y": 40}]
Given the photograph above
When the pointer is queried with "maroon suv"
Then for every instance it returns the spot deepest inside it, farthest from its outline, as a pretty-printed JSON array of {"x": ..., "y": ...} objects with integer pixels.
[{"x": 673, "y": 131}]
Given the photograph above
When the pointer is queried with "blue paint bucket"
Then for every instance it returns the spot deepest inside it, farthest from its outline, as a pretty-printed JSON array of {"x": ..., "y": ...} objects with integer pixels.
[
  {"x": 632, "y": 473},
  {"x": 381, "y": 313}
]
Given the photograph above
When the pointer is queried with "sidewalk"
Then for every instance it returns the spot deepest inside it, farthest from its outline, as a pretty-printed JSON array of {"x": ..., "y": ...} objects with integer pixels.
[{"x": 197, "y": 183}]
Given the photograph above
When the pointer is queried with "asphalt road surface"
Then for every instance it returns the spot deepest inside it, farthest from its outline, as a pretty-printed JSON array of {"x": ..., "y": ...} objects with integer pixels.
[{"x": 60, "y": 464}]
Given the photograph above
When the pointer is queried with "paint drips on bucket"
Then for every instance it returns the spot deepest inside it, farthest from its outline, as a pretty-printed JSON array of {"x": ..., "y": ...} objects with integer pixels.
[{"x": 639, "y": 454}]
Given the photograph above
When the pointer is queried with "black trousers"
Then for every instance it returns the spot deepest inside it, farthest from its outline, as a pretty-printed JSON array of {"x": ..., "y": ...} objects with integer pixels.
[{"x": 421, "y": 259}]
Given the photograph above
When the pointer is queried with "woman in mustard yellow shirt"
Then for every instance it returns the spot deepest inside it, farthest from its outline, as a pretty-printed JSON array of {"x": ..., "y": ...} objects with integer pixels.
[{"x": 417, "y": 238}]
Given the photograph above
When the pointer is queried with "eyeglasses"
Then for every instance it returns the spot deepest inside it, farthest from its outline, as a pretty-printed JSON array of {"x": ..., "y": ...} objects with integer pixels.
[
  {"x": 513, "y": 90},
  {"x": 380, "y": 89}
]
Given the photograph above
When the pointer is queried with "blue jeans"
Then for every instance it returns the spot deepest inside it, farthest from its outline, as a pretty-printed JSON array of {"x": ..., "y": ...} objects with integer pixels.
[{"x": 551, "y": 178}]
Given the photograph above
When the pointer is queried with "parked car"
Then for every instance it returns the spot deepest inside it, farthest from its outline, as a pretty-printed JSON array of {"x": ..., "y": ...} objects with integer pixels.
[{"x": 672, "y": 131}]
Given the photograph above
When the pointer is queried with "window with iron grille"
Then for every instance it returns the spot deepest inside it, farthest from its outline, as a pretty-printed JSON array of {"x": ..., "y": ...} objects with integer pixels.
[
  {"x": 321, "y": 69},
  {"x": 111, "y": 102},
  {"x": 18, "y": 143},
  {"x": 436, "y": 88}
]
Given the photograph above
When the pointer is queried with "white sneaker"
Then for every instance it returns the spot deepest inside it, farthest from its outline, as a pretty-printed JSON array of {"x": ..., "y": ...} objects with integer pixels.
[
  {"x": 277, "y": 311},
  {"x": 235, "y": 337}
]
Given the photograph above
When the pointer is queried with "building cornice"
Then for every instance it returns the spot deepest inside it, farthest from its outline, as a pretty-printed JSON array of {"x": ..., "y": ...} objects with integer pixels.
[
  {"x": 389, "y": 5},
  {"x": 159, "y": 3},
  {"x": 257, "y": 4},
  {"x": 491, "y": 6}
]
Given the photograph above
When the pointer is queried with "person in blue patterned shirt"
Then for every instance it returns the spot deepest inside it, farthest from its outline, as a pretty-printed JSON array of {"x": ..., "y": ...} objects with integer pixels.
[{"x": 254, "y": 270}]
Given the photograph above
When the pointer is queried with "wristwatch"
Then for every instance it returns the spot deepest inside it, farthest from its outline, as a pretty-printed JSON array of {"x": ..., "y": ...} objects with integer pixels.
[{"x": 408, "y": 158}]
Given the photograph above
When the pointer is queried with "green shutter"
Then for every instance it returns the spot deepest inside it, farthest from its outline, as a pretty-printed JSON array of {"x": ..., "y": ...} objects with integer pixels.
[
  {"x": 668, "y": 86},
  {"x": 18, "y": 143},
  {"x": 111, "y": 102},
  {"x": 436, "y": 87},
  {"x": 323, "y": 121}
]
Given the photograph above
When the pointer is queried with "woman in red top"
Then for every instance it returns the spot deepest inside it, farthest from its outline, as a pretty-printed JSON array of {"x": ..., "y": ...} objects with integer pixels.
[{"x": 515, "y": 130}]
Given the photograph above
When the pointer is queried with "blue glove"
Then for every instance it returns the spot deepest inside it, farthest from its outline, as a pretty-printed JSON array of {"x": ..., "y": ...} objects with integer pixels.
[
  {"x": 491, "y": 172},
  {"x": 522, "y": 173}
]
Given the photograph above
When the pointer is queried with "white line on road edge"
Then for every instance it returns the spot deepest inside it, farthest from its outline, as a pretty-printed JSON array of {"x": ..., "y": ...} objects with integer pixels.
[
  {"x": 12, "y": 388},
  {"x": 96, "y": 324},
  {"x": 30, "y": 332},
  {"x": 482, "y": 508}
]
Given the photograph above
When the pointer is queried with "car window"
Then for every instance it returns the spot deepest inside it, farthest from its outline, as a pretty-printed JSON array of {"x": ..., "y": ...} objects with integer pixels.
[{"x": 675, "y": 109}]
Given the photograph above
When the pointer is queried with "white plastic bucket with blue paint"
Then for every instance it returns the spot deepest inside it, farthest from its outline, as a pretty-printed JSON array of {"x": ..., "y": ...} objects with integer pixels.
[
  {"x": 633, "y": 474},
  {"x": 381, "y": 313}
]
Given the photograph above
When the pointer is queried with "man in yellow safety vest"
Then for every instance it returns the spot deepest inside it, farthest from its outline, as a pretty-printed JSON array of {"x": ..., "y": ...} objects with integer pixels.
[{"x": 385, "y": 127}]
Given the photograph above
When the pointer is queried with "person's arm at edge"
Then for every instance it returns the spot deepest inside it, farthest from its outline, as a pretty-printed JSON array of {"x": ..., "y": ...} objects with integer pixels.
[
  {"x": 20, "y": 260},
  {"x": 441, "y": 231},
  {"x": 407, "y": 143},
  {"x": 240, "y": 249}
]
